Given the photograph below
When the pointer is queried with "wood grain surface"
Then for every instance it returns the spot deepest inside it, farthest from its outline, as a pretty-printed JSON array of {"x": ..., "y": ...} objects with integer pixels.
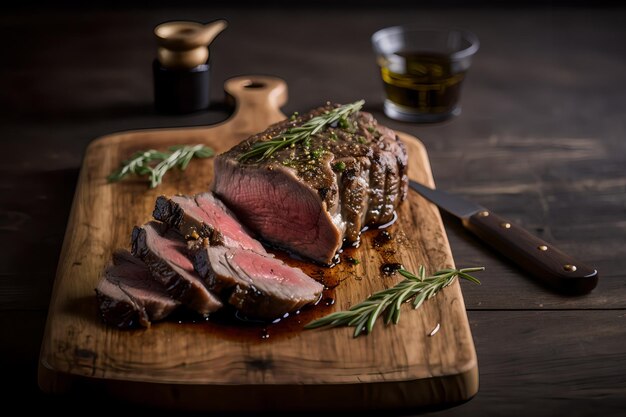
[{"x": 193, "y": 366}]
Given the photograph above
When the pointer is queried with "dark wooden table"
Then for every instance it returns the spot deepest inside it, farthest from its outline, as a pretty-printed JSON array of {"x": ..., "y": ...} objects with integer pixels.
[{"x": 541, "y": 140}]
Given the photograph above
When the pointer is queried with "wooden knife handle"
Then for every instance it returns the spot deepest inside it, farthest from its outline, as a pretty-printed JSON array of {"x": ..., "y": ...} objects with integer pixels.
[{"x": 542, "y": 260}]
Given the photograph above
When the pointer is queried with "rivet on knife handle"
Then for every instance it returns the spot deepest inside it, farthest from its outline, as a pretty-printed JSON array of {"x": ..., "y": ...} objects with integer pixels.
[{"x": 541, "y": 259}]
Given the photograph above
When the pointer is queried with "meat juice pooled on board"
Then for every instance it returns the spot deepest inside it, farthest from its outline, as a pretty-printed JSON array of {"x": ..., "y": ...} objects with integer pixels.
[{"x": 308, "y": 185}]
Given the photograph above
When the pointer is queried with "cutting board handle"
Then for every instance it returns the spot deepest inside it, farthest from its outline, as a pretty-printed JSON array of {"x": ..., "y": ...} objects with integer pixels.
[{"x": 257, "y": 99}]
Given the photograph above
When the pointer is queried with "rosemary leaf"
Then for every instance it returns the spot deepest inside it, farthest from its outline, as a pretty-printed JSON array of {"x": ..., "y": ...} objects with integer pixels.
[
  {"x": 421, "y": 272},
  {"x": 416, "y": 288},
  {"x": 301, "y": 134}
]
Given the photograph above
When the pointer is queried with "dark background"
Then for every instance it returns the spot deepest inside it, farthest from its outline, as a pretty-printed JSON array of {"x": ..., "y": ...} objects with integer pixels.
[{"x": 541, "y": 140}]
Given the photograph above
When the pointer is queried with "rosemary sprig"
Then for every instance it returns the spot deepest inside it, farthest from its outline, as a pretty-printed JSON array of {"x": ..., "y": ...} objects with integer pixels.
[
  {"x": 180, "y": 156},
  {"x": 303, "y": 133},
  {"x": 418, "y": 287},
  {"x": 177, "y": 156},
  {"x": 137, "y": 164}
]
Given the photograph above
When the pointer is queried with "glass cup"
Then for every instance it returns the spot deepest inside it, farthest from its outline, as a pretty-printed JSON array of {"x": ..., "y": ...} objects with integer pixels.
[{"x": 423, "y": 71}]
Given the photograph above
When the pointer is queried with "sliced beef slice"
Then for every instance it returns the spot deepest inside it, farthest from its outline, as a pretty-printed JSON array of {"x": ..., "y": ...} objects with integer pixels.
[
  {"x": 165, "y": 253},
  {"x": 205, "y": 216},
  {"x": 313, "y": 199},
  {"x": 258, "y": 286},
  {"x": 183, "y": 214},
  {"x": 234, "y": 233},
  {"x": 128, "y": 296}
]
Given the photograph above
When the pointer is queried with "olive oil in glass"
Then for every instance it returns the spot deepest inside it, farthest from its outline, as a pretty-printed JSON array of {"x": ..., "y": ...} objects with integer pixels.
[{"x": 428, "y": 84}]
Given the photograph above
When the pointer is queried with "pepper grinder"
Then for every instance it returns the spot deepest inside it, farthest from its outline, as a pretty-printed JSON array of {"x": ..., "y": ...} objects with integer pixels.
[{"x": 181, "y": 68}]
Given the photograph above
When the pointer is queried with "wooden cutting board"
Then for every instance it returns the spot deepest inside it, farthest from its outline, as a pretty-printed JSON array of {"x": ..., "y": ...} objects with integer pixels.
[{"x": 212, "y": 366}]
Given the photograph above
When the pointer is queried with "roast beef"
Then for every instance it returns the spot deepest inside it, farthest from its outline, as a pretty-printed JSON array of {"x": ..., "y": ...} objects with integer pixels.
[
  {"x": 257, "y": 285},
  {"x": 204, "y": 216},
  {"x": 128, "y": 296},
  {"x": 165, "y": 253},
  {"x": 314, "y": 197}
]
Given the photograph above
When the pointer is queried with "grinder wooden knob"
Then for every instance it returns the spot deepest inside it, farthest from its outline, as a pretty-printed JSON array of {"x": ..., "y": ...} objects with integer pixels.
[{"x": 183, "y": 44}]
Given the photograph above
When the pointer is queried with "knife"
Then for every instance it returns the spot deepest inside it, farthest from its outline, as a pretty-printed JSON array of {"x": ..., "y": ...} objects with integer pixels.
[{"x": 545, "y": 262}]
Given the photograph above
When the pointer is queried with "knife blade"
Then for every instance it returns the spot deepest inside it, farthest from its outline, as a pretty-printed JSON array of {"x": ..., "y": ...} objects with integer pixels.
[{"x": 542, "y": 260}]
